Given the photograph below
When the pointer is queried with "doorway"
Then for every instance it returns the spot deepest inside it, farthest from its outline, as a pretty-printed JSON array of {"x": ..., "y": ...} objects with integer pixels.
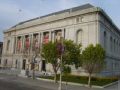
[
  {"x": 43, "y": 65},
  {"x": 24, "y": 64}
]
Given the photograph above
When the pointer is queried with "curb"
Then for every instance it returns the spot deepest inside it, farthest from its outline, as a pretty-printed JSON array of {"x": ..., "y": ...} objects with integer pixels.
[
  {"x": 70, "y": 83},
  {"x": 108, "y": 85}
]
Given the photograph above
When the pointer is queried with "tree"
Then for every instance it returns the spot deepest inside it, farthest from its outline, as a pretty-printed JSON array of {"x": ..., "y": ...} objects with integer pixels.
[
  {"x": 71, "y": 54},
  {"x": 93, "y": 60},
  {"x": 49, "y": 53}
]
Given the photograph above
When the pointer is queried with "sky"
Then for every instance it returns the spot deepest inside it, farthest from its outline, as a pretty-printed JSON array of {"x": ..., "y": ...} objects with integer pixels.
[{"x": 15, "y": 11}]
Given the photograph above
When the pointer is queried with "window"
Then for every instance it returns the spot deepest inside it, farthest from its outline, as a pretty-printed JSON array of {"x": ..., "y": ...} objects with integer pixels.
[
  {"x": 111, "y": 44},
  {"x": 105, "y": 40},
  {"x": 64, "y": 32},
  {"x": 0, "y": 61},
  {"x": 79, "y": 19},
  {"x": 114, "y": 45},
  {"x": 79, "y": 36},
  {"x": 119, "y": 47},
  {"x": 5, "y": 62},
  {"x": 16, "y": 63}
]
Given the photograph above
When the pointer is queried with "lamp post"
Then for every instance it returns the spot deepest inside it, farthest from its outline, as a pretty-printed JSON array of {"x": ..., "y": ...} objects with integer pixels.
[
  {"x": 60, "y": 85},
  {"x": 60, "y": 50}
]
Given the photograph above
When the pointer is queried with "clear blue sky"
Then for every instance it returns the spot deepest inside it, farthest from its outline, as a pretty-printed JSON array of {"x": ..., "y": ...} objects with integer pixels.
[{"x": 14, "y": 11}]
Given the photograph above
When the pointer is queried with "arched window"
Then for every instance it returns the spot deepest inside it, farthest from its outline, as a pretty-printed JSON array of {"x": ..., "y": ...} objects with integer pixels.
[
  {"x": 105, "y": 39},
  {"x": 79, "y": 36}
]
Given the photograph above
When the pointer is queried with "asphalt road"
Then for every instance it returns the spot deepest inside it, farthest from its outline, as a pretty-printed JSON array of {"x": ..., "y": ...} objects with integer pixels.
[
  {"x": 13, "y": 83},
  {"x": 10, "y": 82}
]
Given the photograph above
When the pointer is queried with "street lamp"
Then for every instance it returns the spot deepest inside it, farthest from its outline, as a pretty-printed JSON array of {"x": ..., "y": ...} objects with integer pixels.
[
  {"x": 60, "y": 85},
  {"x": 60, "y": 49}
]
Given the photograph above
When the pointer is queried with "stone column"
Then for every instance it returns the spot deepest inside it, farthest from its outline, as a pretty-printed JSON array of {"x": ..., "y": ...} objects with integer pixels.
[
  {"x": 53, "y": 36},
  {"x": 23, "y": 44},
  {"x": 50, "y": 39},
  {"x": 16, "y": 45},
  {"x": 41, "y": 38},
  {"x": 62, "y": 31},
  {"x": 31, "y": 43}
]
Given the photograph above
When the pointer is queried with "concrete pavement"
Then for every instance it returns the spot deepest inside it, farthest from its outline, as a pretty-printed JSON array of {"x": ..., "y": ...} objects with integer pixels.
[{"x": 11, "y": 82}]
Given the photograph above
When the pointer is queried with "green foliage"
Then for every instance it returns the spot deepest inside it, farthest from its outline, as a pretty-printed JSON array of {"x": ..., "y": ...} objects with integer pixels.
[
  {"x": 70, "y": 56},
  {"x": 49, "y": 52},
  {"x": 84, "y": 79},
  {"x": 72, "y": 53},
  {"x": 93, "y": 58},
  {"x": 66, "y": 70}
]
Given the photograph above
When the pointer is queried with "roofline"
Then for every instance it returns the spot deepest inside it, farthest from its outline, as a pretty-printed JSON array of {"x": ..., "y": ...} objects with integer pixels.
[
  {"x": 108, "y": 18},
  {"x": 54, "y": 13}
]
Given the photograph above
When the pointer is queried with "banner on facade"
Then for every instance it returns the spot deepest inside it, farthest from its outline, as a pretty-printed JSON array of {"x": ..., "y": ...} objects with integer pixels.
[
  {"x": 35, "y": 42},
  {"x": 45, "y": 37}
]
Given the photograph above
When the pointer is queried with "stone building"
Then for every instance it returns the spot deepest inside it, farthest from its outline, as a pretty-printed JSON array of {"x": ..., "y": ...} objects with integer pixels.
[
  {"x": 84, "y": 24},
  {"x": 1, "y": 47}
]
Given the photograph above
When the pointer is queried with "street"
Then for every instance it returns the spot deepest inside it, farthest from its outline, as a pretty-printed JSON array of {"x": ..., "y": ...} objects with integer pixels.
[
  {"x": 8, "y": 82},
  {"x": 11, "y": 82}
]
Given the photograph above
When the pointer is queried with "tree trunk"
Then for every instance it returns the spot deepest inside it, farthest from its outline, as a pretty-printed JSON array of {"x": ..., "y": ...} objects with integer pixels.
[
  {"x": 33, "y": 76},
  {"x": 33, "y": 73},
  {"x": 89, "y": 80},
  {"x": 55, "y": 77}
]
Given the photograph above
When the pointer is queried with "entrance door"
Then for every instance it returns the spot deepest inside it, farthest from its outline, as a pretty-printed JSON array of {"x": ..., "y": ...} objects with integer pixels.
[
  {"x": 43, "y": 65},
  {"x": 16, "y": 64},
  {"x": 24, "y": 64}
]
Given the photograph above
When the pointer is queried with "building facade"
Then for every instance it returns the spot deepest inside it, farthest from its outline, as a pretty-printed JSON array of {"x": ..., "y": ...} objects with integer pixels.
[
  {"x": 85, "y": 24},
  {"x": 1, "y": 47}
]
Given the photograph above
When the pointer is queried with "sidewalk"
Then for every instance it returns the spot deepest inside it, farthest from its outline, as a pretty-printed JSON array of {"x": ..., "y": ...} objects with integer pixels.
[
  {"x": 50, "y": 84},
  {"x": 41, "y": 83}
]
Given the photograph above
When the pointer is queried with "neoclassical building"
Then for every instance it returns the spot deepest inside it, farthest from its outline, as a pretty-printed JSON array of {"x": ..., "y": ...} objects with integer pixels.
[{"x": 84, "y": 24}]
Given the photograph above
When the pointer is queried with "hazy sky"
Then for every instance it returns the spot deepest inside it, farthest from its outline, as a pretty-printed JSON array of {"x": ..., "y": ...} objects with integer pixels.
[{"x": 14, "y": 11}]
